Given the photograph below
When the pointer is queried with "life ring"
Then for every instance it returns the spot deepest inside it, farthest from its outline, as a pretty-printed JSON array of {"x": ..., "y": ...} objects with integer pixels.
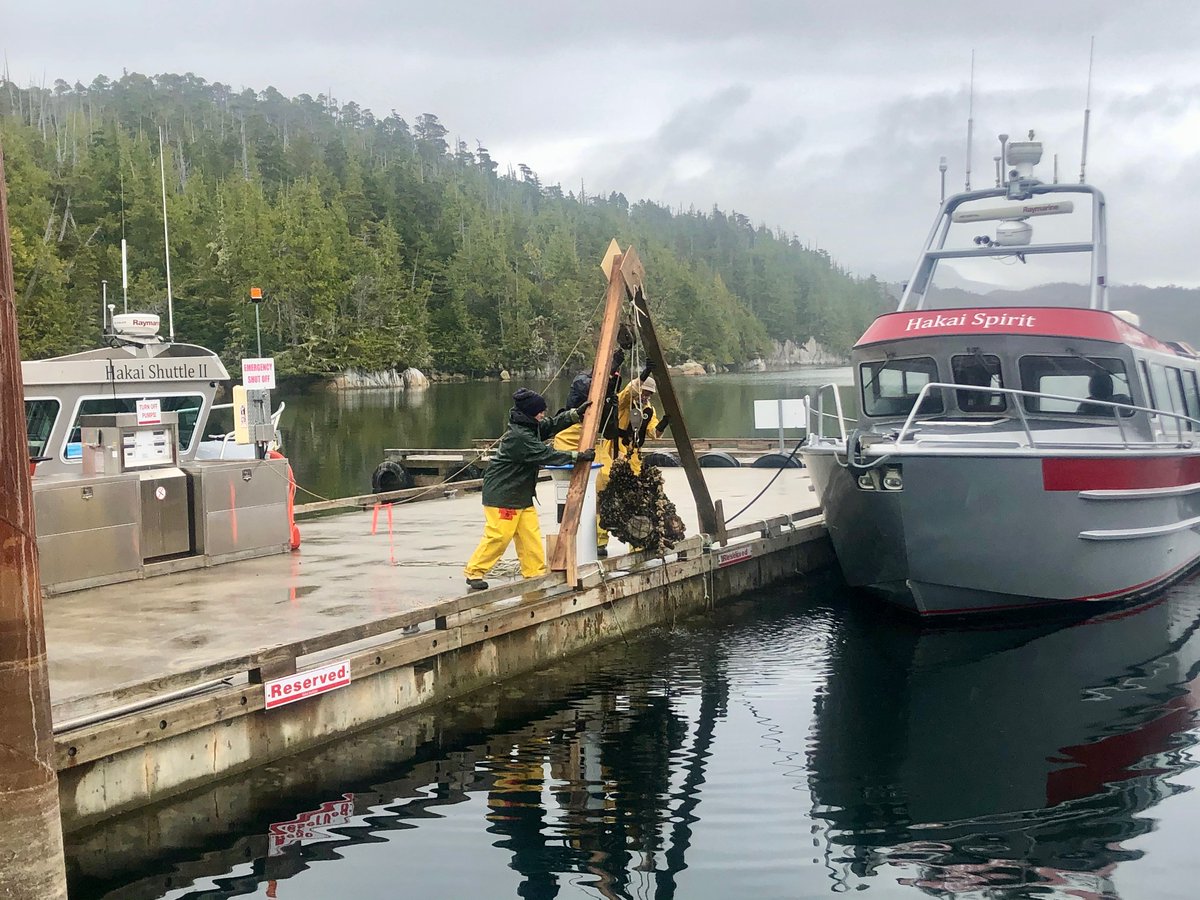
[
  {"x": 295, "y": 532},
  {"x": 389, "y": 475}
]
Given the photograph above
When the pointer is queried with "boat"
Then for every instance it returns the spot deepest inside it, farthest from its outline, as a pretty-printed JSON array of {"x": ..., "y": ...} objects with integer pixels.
[
  {"x": 1018, "y": 457},
  {"x": 126, "y": 483}
]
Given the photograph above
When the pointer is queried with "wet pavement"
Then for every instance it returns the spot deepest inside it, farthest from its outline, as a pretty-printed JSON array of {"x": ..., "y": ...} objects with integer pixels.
[{"x": 103, "y": 638}]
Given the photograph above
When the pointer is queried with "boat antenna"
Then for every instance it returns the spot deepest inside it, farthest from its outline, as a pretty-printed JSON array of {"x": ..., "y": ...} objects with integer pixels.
[
  {"x": 103, "y": 306},
  {"x": 124, "y": 252},
  {"x": 942, "y": 169},
  {"x": 1087, "y": 113},
  {"x": 162, "y": 172},
  {"x": 970, "y": 119}
]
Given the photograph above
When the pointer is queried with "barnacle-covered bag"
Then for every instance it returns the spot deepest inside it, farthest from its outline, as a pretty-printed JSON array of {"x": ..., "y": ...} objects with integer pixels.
[{"x": 635, "y": 508}]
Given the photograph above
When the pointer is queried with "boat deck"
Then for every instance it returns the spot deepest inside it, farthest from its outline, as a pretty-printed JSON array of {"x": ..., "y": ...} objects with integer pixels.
[{"x": 101, "y": 639}]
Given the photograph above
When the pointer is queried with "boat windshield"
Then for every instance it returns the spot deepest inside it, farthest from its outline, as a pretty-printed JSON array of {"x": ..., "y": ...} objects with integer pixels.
[
  {"x": 40, "y": 415},
  {"x": 890, "y": 387},
  {"x": 979, "y": 370},
  {"x": 188, "y": 406},
  {"x": 1088, "y": 377}
]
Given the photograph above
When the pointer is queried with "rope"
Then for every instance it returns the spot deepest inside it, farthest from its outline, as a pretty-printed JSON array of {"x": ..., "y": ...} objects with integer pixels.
[{"x": 766, "y": 487}]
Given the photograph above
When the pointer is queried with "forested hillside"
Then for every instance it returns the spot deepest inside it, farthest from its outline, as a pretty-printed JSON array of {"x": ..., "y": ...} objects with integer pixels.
[{"x": 377, "y": 243}]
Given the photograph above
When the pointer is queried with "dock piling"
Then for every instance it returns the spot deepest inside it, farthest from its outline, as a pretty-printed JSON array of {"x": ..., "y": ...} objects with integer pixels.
[{"x": 32, "y": 866}]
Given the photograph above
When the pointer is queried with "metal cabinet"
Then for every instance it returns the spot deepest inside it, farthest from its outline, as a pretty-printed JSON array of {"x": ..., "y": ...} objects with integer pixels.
[{"x": 239, "y": 507}]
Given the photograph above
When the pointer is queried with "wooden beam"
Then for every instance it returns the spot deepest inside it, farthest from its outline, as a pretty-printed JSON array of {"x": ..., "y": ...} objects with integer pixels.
[
  {"x": 710, "y": 523},
  {"x": 563, "y": 557}
]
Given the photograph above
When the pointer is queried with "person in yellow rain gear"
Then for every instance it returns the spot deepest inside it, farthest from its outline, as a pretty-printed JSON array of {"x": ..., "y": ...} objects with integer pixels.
[
  {"x": 509, "y": 483},
  {"x": 631, "y": 418},
  {"x": 636, "y": 418},
  {"x": 568, "y": 438}
]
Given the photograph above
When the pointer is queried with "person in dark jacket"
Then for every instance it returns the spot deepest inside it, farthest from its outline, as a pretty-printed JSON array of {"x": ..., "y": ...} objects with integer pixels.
[{"x": 509, "y": 483}]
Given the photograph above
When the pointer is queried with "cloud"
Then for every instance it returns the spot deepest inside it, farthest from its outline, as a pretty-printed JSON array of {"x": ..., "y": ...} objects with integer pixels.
[{"x": 824, "y": 120}]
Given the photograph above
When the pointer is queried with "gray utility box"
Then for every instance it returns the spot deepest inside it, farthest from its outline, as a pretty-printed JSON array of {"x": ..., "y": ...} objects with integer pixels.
[
  {"x": 88, "y": 530},
  {"x": 239, "y": 507},
  {"x": 166, "y": 519},
  {"x": 118, "y": 443}
]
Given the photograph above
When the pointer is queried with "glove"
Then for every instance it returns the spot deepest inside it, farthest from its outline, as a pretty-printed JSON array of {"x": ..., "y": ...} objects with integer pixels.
[
  {"x": 618, "y": 359},
  {"x": 641, "y": 434},
  {"x": 585, "y": 456},
  {"x": 663, "y": 424},
  {"x": 582, "y": 407},
  {"x": 646, "y": 370}
]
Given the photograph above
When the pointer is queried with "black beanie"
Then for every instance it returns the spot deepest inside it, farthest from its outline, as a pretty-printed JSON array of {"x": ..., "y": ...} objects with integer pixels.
[
  {"x": 529, "y": 402},
  {"x": 580, "y": 388}
]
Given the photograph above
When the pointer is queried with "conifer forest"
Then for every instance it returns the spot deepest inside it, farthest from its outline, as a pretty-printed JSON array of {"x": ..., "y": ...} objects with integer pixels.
[{"x": 377, "y": 242}]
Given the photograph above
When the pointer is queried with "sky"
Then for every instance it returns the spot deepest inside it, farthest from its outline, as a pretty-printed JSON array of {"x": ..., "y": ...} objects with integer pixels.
[{"x": 824, "y": 120}]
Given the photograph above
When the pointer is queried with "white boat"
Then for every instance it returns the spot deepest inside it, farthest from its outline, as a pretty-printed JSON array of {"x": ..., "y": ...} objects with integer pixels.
[
  {"x": 125, "y": 484},
  {"x": 1012, "y": 457}
]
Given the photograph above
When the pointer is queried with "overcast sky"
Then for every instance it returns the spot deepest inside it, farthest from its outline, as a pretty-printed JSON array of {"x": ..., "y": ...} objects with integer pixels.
[{"x": 826, "y": 120}]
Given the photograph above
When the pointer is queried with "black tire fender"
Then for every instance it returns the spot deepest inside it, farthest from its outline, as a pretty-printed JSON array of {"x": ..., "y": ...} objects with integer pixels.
[{"x": 390, "y": 475}]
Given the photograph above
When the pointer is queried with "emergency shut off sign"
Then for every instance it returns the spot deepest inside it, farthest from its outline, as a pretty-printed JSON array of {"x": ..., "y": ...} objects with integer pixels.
[{"x": 291, "y": 688}]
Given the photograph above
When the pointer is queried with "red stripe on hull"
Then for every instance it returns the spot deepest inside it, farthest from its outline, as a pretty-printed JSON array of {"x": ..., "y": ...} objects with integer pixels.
[
  {"x": 1119, "y": 474},
  {"x": 1109, "y": 596}
]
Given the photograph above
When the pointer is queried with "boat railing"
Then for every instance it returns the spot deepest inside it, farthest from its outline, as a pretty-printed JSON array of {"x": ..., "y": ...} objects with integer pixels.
[
  {"x": 229, "y": 436},
  {"x": 820, "y": 413},
  {"x": 1183, "y": 423}
]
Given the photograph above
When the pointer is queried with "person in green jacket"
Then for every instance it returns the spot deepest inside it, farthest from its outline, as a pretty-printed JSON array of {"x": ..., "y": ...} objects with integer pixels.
[{"x": 509, "y": 483}]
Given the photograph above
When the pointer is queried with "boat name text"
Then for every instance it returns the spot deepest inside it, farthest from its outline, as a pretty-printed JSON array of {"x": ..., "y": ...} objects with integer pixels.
[
  {"x": 978, "y": 320},
  {"x": 159, "y": 372}
]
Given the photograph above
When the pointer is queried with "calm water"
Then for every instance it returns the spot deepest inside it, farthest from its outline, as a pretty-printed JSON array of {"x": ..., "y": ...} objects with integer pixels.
[
  {"x": 803, "y": 744},
  {"x": 335, "y": 441}
]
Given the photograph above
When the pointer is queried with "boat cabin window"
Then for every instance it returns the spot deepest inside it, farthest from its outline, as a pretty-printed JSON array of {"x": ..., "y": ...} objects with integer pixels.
[
  {"x": 1191, "y": 395},
  {"x": 979, "y": 370},
  {"x": 40, "y": 416},
  {"x": 1094, "y": 380},
  {"x": 1169, "y": 392},
  {"x": 890, "y": 387},
  {"x": 188, "y": 407}
]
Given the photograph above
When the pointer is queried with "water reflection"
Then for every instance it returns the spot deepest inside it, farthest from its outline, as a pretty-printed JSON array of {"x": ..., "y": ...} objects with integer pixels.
[
  {"x": 794, "y": 746},
  {"x": 1002, "y": 757}
]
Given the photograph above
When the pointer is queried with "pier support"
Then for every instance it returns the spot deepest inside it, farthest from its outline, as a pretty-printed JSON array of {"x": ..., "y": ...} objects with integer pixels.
[{"x": 31, "y": 845}]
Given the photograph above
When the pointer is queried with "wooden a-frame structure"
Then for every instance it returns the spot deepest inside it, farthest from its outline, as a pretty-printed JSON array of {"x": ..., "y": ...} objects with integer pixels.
[{"x": 625, "y": 285}]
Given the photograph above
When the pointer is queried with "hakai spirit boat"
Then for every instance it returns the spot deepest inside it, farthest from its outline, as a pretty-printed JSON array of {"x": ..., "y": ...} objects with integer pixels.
[{"x": 1016, "y": 457}]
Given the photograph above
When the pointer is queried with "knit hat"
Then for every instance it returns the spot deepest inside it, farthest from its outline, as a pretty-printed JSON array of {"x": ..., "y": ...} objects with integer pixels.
[
  {"x": 529, "y": 402},
  {"x": 580, "y": 387}
]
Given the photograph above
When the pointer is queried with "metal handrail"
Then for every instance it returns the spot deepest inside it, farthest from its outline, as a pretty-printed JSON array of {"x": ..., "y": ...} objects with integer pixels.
[
  {"x": 821, "y": 414},
  {"x": 1179, "y": 418}
]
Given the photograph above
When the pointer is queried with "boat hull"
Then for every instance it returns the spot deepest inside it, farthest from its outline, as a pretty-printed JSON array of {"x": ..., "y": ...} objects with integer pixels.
[{"x": 983, "y": 533}]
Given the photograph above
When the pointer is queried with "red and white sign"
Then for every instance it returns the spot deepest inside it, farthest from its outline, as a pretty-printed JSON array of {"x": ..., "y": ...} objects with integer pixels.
[
  {"x": 283, "y": 691},
  {"x": 1091, "y": 324},
  {"x": 149, "y": 412},
  {"x": 258, "y": 374},
  {"x": 736, "y": 555},
  {"x": 310, "y": 826}
]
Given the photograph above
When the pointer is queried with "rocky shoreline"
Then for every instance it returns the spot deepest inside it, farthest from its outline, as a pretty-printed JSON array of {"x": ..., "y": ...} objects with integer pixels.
[{"x": 783, "y": 356}]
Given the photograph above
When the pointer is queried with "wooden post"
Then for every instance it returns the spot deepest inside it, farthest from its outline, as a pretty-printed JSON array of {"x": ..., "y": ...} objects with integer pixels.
[
  {"x": 710, "y": 523},
  {"x": 563, "y": 556},
  {"x": 32, "y": 866}
]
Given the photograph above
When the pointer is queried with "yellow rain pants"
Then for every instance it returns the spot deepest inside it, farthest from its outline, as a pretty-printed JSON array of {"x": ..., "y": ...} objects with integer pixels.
[{"x": 500, "y": 528}]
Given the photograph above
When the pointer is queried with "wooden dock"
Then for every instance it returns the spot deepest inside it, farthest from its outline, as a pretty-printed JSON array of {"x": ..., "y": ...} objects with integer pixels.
[{"x": 161, "y": 686}]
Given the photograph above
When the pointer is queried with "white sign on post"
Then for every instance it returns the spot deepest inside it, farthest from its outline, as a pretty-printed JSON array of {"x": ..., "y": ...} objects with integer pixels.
[
  {"x": 258, "y": 374},
  {"x": 767, "y": 414},
  {"x": 149, "y": 412}
]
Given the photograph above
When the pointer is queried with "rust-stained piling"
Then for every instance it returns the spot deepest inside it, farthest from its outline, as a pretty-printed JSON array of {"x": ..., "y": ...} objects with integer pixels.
[{"x": 31, "y": 847}]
